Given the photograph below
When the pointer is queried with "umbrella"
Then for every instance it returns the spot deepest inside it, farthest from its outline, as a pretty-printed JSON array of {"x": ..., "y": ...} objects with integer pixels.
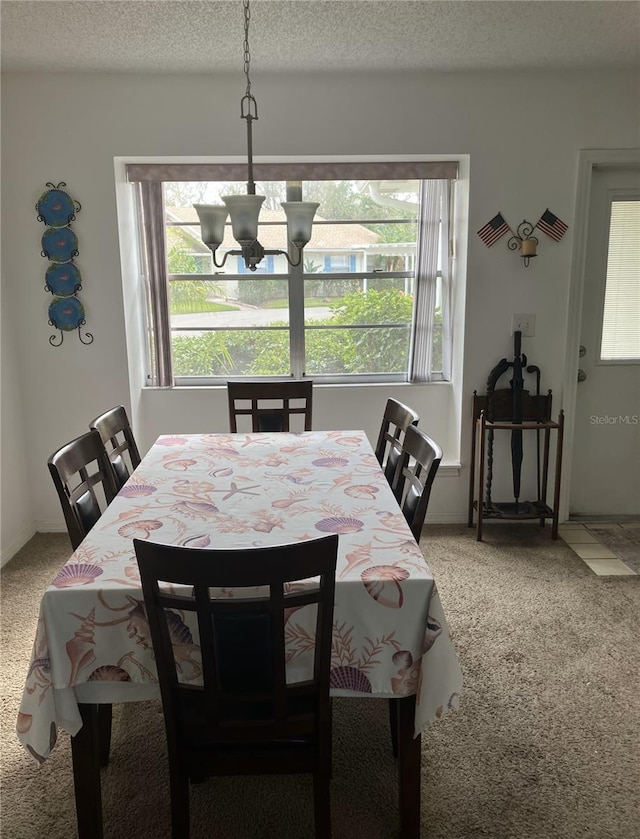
[{"x": 517, "y": 384}]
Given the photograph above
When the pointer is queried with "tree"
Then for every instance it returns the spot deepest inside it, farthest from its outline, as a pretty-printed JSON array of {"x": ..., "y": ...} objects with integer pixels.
[
  {"x": 181, "y": 262},
  {"x": 183, "y": 193},
  {"x": 189, "y": 296}
]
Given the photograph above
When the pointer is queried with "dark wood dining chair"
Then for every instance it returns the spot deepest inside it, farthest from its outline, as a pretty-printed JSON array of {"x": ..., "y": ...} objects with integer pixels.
[
  {"x": 261, "y": 396},
  {"x": 414, "y": 476},
  {"x": 415, "y": 472},
  {"x": 85, "y": 483},
  {"x": 244, "y": 717},
  {"x": 117, "y": 437},
  {"x": 395, "y": 421}
]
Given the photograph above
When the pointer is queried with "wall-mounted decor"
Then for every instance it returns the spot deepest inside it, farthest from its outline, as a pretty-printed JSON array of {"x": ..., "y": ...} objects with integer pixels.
[
  {"x": 522, "y": 239},
  {"x": 63, "y": 280}
]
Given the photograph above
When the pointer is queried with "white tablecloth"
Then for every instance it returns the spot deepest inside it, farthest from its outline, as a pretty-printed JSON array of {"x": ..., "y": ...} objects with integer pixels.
[{"x": 224, "y": 490}]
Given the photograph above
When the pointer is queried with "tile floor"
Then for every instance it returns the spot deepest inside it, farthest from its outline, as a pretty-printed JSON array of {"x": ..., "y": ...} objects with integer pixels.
[{"x": 599, "y": 558}]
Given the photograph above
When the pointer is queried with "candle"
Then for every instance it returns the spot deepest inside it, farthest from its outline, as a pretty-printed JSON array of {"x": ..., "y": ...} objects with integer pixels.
[{"x": 528, "y": 247}]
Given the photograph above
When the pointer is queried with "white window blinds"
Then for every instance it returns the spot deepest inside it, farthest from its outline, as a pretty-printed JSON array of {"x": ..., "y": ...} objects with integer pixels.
[{"x": 621, "y": 316}]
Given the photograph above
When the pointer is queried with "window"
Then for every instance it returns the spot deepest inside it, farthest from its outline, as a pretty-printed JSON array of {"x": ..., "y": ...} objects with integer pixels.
[
  {"x": 370, "y": 301},
  {"x": 621, "y": 316}
]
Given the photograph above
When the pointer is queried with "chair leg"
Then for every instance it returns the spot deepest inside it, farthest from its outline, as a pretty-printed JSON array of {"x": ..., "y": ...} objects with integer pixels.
[
  {"x": 179, "y": 784},
  {"x": 393, "y": 725},
  {"x": 322, "y": 804},
  {"x": 329, "y": 757},
  {"x": 104, "y": 726}
]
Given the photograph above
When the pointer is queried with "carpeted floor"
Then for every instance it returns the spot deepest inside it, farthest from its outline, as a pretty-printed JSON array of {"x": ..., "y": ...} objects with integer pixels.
[{"x": 546, "y": 743}]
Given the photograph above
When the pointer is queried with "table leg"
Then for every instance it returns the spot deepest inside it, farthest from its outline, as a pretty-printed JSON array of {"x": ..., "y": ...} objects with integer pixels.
[
  {"x": 104, "y": 722},
  {"x": 481, "y": 426},
  {"x": 393, "y": 725},
  {"x": 556, "y": 490},
  {"x": 409, "y": 755},
  {"x": 85, "y": 751}
]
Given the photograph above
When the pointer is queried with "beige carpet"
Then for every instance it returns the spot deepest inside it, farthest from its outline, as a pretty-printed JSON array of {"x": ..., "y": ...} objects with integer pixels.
[{"x": 546, "y": 743}]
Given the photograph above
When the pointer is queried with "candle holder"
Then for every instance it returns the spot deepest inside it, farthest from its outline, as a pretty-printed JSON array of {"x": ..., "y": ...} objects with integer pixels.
[{"x": 523, "y": 241}]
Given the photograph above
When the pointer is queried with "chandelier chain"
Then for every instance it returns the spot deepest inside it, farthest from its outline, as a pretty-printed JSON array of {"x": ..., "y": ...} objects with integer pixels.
[
  {"x": 244, "y": 210},
  {"x": 247, "y": 53}
]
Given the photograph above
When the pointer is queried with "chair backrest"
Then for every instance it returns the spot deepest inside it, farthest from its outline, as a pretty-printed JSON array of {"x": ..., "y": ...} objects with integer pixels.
[
  {"x": 117, "y": 437},
  {"x": 79, "y": 470},
  {"x": 416, "y": 470},
  {"x": 397, "y": 418},
  {"x": 261, "y": 396},
  {"x": 243, "y": 696}
]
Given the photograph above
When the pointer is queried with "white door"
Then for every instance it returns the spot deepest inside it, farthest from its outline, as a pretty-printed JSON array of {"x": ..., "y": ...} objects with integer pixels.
[{"x": 605, "y": 478}]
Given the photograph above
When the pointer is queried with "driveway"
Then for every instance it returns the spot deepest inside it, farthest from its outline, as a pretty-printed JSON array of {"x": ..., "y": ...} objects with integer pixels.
[{"x": 244, "y": 317}]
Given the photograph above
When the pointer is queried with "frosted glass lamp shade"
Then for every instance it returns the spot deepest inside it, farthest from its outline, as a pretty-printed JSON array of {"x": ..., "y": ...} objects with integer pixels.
[
  {"x": 299, "y": 220},
  {"x": 244, "y": 211},
  {"x": 212, "y": 218}
]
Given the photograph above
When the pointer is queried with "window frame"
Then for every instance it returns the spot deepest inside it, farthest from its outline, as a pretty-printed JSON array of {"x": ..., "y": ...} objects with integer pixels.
[{"x": 295, "y": 276}]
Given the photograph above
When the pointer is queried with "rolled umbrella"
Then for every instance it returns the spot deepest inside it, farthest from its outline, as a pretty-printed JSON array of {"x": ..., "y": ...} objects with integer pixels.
[
  {"x": 533, "y": 369},
  {"x": 517, "y": 384}
]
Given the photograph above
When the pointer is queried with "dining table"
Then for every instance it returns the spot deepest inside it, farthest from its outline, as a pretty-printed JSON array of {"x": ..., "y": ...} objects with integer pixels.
[{"x": 390, "y": 641}]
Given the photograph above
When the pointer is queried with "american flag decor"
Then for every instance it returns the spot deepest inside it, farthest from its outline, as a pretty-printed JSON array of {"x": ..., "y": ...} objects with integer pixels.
[
  {"x": 552, "y": 225},
  {"x": 493, "y": 230}
]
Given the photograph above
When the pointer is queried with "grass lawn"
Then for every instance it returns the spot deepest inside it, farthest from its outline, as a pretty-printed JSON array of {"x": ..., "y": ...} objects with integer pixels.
[{"x": 197, "y": 308}]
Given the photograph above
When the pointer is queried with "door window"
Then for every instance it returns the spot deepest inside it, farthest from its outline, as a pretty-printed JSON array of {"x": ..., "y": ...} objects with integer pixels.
[{"x": 620, "y": 339}]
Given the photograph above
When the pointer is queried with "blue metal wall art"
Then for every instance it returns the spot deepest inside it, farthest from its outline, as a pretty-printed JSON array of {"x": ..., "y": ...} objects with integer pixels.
[{"x": 63, "y": 280}]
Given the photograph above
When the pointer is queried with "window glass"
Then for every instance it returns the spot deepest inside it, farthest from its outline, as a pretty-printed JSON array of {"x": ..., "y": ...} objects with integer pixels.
[
  {"x": 621, "y": 316},
  {"x": 346, "y": 311}
]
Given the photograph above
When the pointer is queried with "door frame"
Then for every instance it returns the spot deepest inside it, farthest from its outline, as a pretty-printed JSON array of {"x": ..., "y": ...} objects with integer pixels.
[{"x": 588, "y": 160}]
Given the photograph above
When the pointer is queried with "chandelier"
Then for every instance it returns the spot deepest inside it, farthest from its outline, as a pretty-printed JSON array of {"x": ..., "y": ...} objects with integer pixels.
[{"x": 245, "y": 209}]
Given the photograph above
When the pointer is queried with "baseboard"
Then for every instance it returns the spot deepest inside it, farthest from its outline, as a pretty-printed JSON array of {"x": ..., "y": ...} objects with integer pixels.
[
  {"x": 449, "y": 470},
  {"x": 50, "y": 527},
  {"x": 446, "y": 518},
  {"x": 7, "y": 554}
]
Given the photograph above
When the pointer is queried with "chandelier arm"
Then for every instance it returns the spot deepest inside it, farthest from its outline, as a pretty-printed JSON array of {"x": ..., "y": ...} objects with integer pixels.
[
  {"x": 292, "y": 263},
  {"x": 224, "y": 259}
]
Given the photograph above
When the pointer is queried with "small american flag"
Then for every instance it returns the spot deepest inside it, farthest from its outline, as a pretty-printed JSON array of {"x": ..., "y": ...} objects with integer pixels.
[
  {"x": 493, "y": 230},
  {"x": 552, "y": 225}
]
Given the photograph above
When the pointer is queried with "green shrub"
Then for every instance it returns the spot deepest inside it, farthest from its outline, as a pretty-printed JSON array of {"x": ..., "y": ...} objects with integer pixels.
[{"x": 330, "y": 351}]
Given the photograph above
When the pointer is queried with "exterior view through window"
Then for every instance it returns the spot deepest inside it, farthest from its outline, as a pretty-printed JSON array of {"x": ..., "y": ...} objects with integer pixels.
[{"x": 349, "y": 312}]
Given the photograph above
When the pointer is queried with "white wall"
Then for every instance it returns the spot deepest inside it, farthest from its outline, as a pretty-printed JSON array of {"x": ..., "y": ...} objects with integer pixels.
[
  {"x": 16, "y": 514},
  {"x": 521, "y": 130}
]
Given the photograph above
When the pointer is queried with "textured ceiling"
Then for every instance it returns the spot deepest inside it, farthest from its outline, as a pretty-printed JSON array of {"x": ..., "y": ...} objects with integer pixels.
[{"x": 147, "y": 36}]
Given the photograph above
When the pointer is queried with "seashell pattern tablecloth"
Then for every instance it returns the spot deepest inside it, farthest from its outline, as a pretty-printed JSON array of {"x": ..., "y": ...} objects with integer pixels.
[{"x": 390, "y": 636}]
